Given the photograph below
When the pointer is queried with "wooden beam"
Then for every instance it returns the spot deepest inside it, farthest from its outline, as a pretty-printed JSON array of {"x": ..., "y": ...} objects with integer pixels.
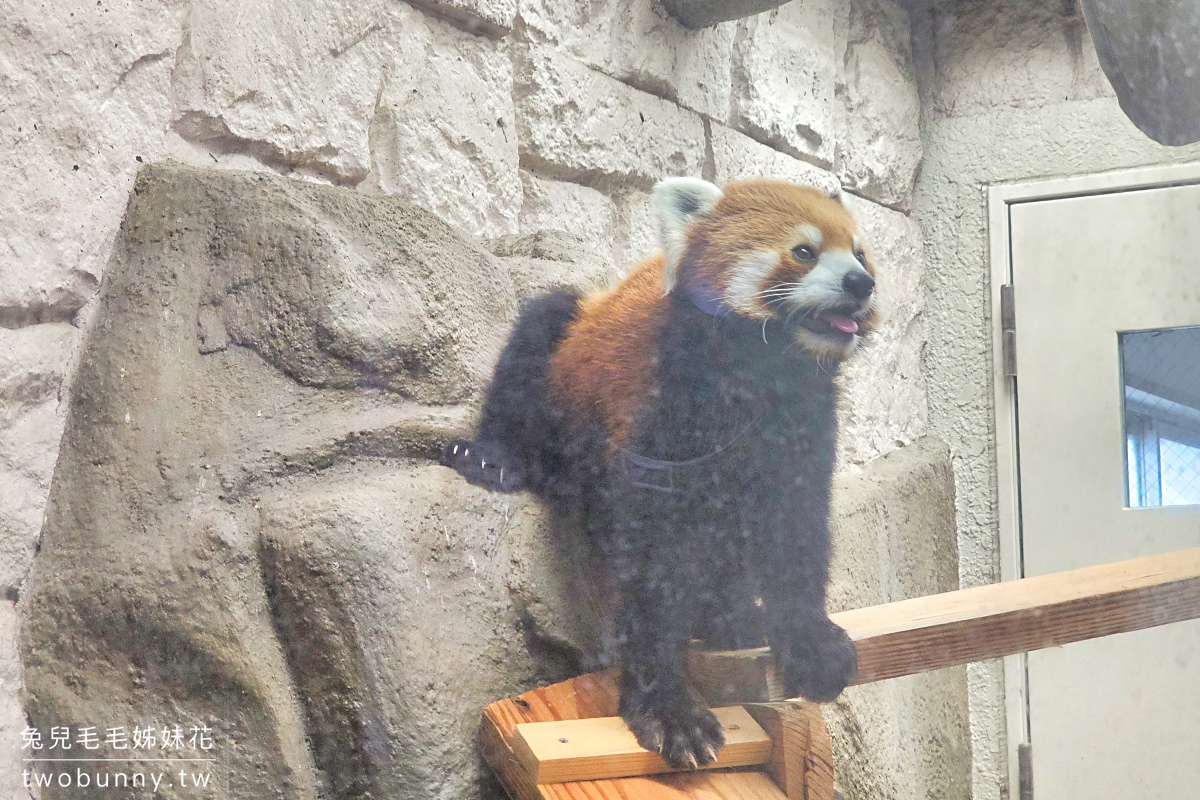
[
  {"x": 602, "y": 747},
  {"x": 801, "y": 762},
  {"x": 1000, "y": 619},
  {"x": 944, "y": 630},
  {"x": 896, "y": 639}
]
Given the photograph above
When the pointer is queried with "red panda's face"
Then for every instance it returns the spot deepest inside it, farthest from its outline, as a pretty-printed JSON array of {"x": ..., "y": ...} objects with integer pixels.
[{"x": 773, "y": 250}]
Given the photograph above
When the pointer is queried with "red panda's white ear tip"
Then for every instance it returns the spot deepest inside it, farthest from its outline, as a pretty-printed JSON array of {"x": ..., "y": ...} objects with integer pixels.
[
  {"x": 685, "y": 197},
  {"x": 677, "y": 203},
  {"x": 846, "y": 201}
]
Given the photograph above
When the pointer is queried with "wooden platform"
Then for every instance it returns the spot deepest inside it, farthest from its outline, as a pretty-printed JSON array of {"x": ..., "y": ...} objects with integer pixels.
[
  {"x": 896, "y": 639},
  {"x": 796, "y": 763}
]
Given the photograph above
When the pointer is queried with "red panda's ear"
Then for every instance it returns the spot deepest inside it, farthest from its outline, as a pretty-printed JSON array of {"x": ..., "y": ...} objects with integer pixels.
[{"x": 677, "y": 203}]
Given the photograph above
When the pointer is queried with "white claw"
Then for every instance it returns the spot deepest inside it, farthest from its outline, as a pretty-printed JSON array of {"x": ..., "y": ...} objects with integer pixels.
[
  {"x": 455, "y": 451},
  {"x": 502, "y": 474},
  {"x": 466, "y": 452},
  {"x": 483, "y": 464},
  {"x": 711, "y": 753}
]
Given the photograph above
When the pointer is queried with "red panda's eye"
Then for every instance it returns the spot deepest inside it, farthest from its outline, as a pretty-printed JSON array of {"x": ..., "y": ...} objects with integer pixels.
[
  {"x": 804, "y": 253},
  {"x": 861, "y": 256}
]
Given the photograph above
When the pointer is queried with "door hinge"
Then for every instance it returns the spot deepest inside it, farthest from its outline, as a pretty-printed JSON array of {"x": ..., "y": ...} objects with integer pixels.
[
  {"x": 1025, "y": 771},
  {"x": 1008, "y": 330}
]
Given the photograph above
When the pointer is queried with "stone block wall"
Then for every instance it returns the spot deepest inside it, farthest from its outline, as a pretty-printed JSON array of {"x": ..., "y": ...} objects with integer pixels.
[{"x": 506, "y": 118}]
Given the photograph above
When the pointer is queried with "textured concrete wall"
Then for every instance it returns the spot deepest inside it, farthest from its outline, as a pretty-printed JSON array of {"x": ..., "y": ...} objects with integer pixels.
[
  {"x": 903, "y": 739},
  {"x": 1010, "y": 91},
  {"x": 501, "y": 116}
]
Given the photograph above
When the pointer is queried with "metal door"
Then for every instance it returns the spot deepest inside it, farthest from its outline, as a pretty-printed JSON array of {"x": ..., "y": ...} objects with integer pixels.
[{"x": 1106, "y": 294}]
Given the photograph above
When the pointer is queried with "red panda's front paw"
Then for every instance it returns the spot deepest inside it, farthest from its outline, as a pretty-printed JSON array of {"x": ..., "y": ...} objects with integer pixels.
[
  {"x": 686, "y": 737},
  {"x": 817, "y": 660}
]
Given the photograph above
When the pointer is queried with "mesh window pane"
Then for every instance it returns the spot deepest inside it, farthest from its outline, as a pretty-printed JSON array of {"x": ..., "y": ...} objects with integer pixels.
[
  {"x": 1162, "y": 416},
  {"x": 1180, "y": 473}
]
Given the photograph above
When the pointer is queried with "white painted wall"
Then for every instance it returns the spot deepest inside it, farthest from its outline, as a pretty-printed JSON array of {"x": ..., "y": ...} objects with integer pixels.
[
  {"x": 1010, "y": 91},
  {"x": 514, "y": 116}
]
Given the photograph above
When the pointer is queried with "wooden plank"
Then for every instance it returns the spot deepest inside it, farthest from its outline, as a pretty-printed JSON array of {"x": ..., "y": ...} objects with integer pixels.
[
  {"x": 496, "y": 752},
  {"x": 944, "y": 630},
  {"x": 603, "y": 747},
  {"x": 596, "y": 695},
  {"x": 736, "y": 676},
  {"x": 801, "y": 760},
  {"x": 1000, "y": 619},
  {"x": 722, "y": 677},
  {"x": 709, "y": 785}
]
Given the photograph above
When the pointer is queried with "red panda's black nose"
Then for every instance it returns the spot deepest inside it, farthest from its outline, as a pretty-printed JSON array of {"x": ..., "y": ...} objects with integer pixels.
[{"x": 859, "y": 283}]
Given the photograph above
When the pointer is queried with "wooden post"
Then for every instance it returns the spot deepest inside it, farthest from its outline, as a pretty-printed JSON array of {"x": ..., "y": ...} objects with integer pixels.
[
  {"x": 585, "y": 698},
  {"x": 801, "y": 762}
]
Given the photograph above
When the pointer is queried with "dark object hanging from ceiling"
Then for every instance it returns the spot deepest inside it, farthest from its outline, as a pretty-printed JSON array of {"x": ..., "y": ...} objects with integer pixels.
[
  {"x": 1150, "y": 51},
  {"x": 703, "y": 13}
]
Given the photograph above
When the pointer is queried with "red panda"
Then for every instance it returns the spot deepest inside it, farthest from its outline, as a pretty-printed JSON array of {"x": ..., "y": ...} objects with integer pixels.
[{"x": 686, "y": 419}]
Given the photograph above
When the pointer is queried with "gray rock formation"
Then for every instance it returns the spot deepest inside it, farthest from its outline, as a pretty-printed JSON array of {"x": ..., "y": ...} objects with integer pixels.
[
  {"x": 550, "y": 260},
  {"x": 703, "y": 13},
  {"x": 406, "y": 600},
  {"x": 1150, "y": 51},
  {"x": 895, "y": 538},
  {"x": 250, "y": 428}
]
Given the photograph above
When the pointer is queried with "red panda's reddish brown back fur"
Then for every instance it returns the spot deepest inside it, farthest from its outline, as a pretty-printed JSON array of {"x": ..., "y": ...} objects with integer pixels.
[{"x": 605, "y": 365}]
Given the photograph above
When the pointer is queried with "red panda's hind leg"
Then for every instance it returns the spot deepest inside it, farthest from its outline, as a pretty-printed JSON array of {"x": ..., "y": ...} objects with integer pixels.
[
  {"x": 486, "y": 464},
  {"x": 520, "y": 434}
]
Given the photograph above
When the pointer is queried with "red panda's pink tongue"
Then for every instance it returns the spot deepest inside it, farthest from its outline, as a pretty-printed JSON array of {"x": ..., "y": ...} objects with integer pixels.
[{"x": 843, "y": 324}]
